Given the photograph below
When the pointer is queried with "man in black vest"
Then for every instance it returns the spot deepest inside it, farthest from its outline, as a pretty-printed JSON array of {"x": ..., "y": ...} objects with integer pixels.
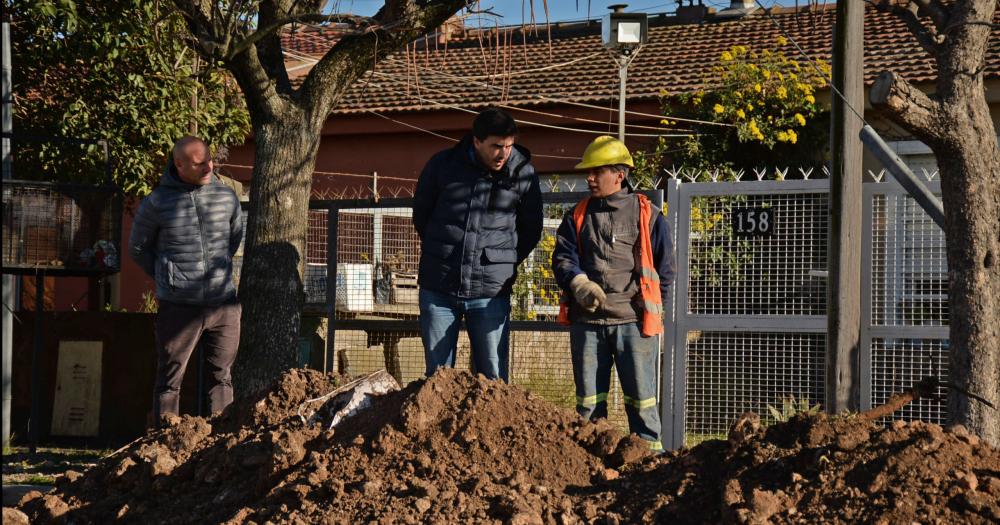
[
  {"x": 184, "y": 236},
  {"x": 478, "y": 212}
]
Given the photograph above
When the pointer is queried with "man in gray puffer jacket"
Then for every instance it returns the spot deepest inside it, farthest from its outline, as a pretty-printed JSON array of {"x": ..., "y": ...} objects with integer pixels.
[{"x": 184, "y": 236}]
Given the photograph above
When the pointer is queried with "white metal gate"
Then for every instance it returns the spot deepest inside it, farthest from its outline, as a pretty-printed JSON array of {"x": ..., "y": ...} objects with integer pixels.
[
  {"x": 750, "y": 300},
  {"x": 904, "y": 330}
]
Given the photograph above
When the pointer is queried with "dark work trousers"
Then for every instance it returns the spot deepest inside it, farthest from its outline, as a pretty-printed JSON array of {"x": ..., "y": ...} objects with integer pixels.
[{"x": 179, "y": 329}]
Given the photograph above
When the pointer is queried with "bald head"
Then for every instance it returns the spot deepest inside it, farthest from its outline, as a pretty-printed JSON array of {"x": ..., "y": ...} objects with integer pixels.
[{"x": 193, "y": 160}]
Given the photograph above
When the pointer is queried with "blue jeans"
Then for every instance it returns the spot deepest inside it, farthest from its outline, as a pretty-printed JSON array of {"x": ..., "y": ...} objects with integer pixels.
[
  {"x": 595, "y": 348},
  {"x": 488, "y": 323}
]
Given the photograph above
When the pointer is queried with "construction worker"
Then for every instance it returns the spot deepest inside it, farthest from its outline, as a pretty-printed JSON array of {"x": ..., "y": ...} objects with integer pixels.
[{"x": 614, "y": 260}]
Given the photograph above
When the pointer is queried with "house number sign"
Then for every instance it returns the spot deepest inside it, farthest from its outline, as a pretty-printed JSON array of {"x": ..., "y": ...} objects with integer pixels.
[{"x": 753, "y": 222}]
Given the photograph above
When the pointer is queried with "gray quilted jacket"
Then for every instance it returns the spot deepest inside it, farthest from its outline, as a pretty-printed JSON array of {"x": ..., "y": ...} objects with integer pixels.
[{"x": 184, "y": 236}]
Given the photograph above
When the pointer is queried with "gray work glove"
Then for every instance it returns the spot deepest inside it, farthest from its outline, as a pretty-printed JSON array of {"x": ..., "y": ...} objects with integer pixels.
[{"x": 587, "y": 293}]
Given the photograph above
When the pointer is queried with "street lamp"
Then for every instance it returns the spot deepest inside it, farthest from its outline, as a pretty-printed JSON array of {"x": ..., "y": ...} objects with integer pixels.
[{"x": 623, "y": 35}]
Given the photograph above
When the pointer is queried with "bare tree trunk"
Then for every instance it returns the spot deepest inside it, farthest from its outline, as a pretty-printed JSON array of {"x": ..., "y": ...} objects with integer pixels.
[
  {"x": 955, "y": 123},
  {"x": 271, "y": 286},
  {"x": 970, "y": 186}
]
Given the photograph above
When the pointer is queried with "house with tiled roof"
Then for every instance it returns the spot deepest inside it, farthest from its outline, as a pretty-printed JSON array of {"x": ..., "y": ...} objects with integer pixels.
[{"x": 561, "y": 84}]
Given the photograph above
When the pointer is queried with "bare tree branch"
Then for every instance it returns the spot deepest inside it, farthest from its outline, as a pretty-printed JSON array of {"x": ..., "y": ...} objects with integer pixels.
[
  {"x": 208, "y": 41},
  {"x": 310, "y": 18},
  {"x": 268, "y": 44},
  {"x": 907, "y": 105},
  {"x": 926, "y": 37},
  {"x": 401, "y": 21},
  {"x": 937, "y": 12},
  {"x": 211, "y": 41},
  {"x": 256, "y": 85}
]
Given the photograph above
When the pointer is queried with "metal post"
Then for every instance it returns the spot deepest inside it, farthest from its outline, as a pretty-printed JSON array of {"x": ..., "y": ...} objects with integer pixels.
[
  {"x": 668, "y": 380},
  {"x": 844, "y": 286},
  {"x": 332, "y": 216},
  {"x": 622, "y": 75},
  {"x": 36, "y": 358},
  {"x": 8, "y": 359},
  {"x": 9, "y": 282}
]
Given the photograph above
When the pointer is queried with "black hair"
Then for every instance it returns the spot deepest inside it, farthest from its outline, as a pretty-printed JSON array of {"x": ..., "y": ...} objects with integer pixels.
[{"x": 493, "y": 122}]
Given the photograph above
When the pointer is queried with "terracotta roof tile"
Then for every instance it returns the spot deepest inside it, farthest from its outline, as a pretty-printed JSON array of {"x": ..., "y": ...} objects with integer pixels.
[
  {"x": 575, "y": 67},
  {"x": 309, "y": 40}
]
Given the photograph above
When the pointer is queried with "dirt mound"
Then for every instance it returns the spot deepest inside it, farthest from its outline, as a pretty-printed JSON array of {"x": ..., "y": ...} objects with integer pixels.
[
  {"x": 452, "y": 448},
  {"x": 458, "y": 448},
  {"x": 819, "y": 470}
]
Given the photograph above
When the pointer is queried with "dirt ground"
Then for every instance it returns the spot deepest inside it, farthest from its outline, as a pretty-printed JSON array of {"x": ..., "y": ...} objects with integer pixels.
[{"x": 457, "y": 448}]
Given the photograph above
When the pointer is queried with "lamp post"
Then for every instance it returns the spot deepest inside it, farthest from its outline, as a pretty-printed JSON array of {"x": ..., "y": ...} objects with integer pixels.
[{"x": 623, "y": 35}]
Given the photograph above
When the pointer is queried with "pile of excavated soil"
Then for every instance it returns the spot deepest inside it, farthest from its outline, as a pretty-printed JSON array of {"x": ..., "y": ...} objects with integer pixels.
[
  {"x": 457, "y": 448},
  {"x": 454, "y": 448},
  {"x": 817, "y": 469}
]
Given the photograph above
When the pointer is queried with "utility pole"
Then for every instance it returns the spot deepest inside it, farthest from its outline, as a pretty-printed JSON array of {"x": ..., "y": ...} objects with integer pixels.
[{"x": 843, "y": 349}]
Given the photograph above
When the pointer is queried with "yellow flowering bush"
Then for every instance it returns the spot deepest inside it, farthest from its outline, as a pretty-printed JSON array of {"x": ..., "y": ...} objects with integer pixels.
[
  {"x": 769, "y": 101},
  {"x": 535, "y": 283},
  {"x": 702, "y": 222}
]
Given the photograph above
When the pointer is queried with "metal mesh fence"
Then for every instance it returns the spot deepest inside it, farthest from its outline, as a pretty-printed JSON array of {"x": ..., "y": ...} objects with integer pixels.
[
  {"x": 909, "y": 311},
  {"x": 777, "y": 274},
  {"x": 909, "y": 265},
  {"x": 899, "y": 363},
  {"x": 377, "y": 256},
  {"x": 61, "y": 228},
  {"x": 728, "y": 373},
  {"x": 314, "y": 281}
]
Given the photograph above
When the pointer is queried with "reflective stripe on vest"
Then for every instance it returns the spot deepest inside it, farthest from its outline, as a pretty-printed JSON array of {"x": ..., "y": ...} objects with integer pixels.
[{"x": 651, "y": 322}]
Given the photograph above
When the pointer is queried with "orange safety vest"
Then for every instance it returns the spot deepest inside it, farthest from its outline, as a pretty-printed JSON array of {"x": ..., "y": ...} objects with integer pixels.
[{"x": 651, "y": 322}]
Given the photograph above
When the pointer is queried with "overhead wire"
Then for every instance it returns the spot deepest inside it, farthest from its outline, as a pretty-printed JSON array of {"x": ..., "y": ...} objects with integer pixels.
[
  {"x": 451, "y": 139},
  {"x": 527, "y": 110},
  {"x": 326, "y": 173},
  {"x": 563, "y": 101},
  {"x": 528, "y": 122}
]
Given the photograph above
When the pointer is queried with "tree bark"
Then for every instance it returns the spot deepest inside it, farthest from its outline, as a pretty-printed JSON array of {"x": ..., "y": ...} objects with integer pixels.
[
  {"x": 970, "y": 187},
  {"x": 955, "y": 123},
  {"x": 271, "y": 287}
]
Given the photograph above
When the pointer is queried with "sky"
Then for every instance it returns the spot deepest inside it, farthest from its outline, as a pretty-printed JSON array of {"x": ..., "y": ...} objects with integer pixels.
[{"x": 515, "y": 12}]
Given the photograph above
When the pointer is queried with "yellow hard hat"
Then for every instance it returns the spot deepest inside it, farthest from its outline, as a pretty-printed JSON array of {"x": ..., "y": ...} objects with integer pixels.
[{"x": 605, "y": 151}]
